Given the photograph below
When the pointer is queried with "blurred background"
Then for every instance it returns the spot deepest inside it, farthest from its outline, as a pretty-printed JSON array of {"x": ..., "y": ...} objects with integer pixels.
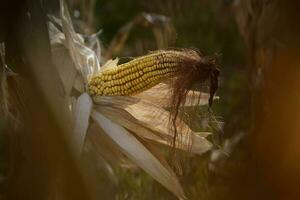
[{"x": 256, "y": 152}]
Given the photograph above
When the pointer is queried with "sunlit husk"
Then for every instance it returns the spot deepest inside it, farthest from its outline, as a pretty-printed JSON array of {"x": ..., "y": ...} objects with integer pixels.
[
  {"x": 162, "y": 92},
  {"x": 151, "y": 122}
]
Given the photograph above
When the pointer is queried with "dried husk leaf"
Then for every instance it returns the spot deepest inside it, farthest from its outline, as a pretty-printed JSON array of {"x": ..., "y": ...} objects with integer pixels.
[
  {"x": 85, "y": 59},
  {"x": 97, "y": 163},
  {"x": 161, "y": 94},
  {"x": 156, "y": 119},
  {"x": 105, "y": 147},
  {"x": 110, "y": 64},
  {"x": 82, "y": 113},
  {"x": 128, "y": 121},
  {"x": 139, "y": 154}
]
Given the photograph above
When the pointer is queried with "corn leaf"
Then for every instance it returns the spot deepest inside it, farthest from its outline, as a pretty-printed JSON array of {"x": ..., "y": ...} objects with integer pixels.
[
  {"x": 110, "y": 63},
  {"x": 85, "y": 59},
  {"x": 161, "y": 94},
  {"x": 98, "y": 163},
  {"x": 139, "y": 154},
  {"x": 105, "y": 147},
  {"x": 82, "y": 112},
  {"x": 154, "y": 118},
  {"x": 128, "y": 121}
]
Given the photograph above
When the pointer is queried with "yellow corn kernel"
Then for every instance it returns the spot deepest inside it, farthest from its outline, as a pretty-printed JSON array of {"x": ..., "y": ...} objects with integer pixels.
[{"x": 137, "y": 75}]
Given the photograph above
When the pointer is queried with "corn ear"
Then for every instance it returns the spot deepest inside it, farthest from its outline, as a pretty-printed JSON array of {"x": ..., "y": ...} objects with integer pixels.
[{"x": 137, "y": 75}]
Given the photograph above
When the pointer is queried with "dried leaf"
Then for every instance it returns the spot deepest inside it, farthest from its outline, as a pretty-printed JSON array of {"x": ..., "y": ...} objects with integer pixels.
[
  {"x": 85, "y": 59},
  {"x": 156, "y": 119},
  {"x": 140, "y": 154},
  {"x": 105, "y": 147},
  {"x": 160, "y": 25},
  {"x": 110, "y": 63},
  {"x": 161, "y": 93},
  {"x": 128, "y": 121},
  {"x": 81, "y": 121},
  {"x": 98, "y": 163}
]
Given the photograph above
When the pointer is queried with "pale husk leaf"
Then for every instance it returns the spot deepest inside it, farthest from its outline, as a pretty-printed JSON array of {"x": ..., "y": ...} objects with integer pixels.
[
  {"x": 85, "y": 59},
  {"x": 139, "y": 154},
  {"x": 162, "y": 92},
  {"x": 128, "y": 121},
  {"x": 110, "y": 64},
  {"x": 156, "y": 119},
  {"x": 82, "y": 113},
  {"x": 105, "y": 147}
]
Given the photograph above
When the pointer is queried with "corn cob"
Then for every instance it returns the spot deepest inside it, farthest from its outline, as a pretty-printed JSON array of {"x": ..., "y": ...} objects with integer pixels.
[{"x": 139, "y": 74}]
